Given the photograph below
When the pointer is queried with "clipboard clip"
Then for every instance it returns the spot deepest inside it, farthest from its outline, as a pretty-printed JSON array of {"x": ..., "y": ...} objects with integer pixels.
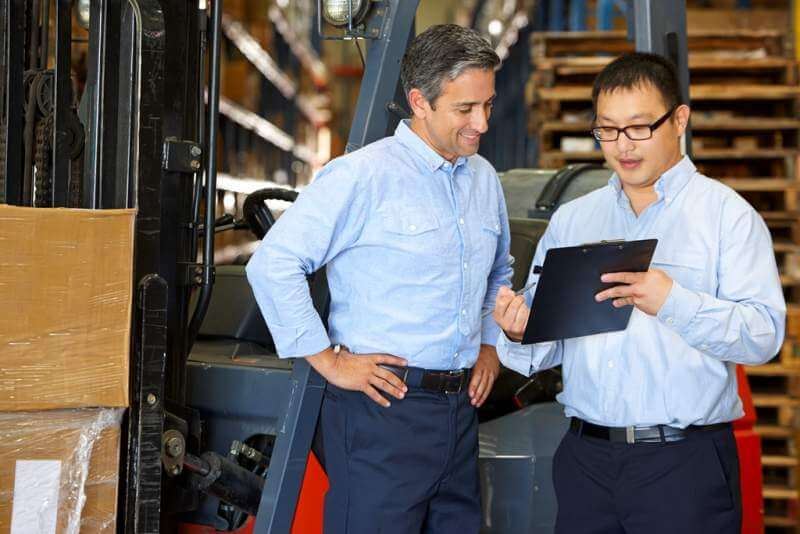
[{"x": 618, "y": 242}]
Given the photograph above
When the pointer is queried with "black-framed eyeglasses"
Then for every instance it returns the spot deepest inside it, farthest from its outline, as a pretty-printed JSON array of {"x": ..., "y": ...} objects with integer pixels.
[{"x": 634, "y": 132}]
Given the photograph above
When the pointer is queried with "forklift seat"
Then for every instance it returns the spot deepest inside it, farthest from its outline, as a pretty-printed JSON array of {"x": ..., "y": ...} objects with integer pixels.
[{"x": 233, "y": 312}]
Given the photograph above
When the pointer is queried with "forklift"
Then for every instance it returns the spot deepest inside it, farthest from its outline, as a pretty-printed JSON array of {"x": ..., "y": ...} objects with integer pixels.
[{"x": 221, "y": 434}]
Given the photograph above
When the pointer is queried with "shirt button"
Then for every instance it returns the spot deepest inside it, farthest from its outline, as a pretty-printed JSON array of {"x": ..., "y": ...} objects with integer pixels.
[
  {"x": 412, "y": 227},
  {"x": 461, "y": 221},
  {"x": 610, "y": 364},
  {"x": 463, "y": 312},
  {"x": 670, "y": 321},
  {"x": 704, "y": 346},
  {"x": 465, "y": 266}
]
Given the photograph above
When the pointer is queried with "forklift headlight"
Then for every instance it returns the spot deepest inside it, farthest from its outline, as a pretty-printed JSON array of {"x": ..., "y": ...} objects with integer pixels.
[
  {"x": 337, "y": 12},
  {"x": 82, "y": 13}
]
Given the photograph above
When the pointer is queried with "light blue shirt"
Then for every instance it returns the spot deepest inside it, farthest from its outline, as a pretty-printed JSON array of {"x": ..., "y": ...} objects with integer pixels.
[
  {"x": 415, "y": 247},
  {"x": 725, "y": 307}
]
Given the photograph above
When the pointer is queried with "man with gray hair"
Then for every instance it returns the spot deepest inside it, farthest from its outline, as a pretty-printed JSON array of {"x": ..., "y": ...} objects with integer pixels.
[{"x": 414, "y": 232}]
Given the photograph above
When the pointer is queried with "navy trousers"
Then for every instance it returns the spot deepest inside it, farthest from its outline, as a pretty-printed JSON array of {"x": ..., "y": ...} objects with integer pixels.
[
  {"x": 688, "y": 486},
  {"x": 407, "y": 469}
]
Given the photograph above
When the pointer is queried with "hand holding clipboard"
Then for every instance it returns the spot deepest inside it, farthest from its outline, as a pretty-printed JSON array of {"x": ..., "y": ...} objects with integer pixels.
[{"x": 565, "y": 305}]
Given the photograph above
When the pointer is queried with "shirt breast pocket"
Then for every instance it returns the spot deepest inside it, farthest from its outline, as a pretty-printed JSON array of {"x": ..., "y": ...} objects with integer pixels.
[
  {"x": 684, "y": 267},
  {"x": 413, "y": 231}
]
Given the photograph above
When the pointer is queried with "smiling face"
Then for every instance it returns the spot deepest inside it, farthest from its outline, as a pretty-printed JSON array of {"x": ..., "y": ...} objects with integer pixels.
[
  {"x": 453, "y": 125},
  {"x": 639, "y": 164}
]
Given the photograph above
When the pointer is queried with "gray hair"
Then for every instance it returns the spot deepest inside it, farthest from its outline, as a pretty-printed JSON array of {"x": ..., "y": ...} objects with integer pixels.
[{"x": 442, "y": 53}]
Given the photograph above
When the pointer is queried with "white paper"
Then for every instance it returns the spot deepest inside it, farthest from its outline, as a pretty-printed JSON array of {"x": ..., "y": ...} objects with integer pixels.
[{"x": 35, "y": 507}]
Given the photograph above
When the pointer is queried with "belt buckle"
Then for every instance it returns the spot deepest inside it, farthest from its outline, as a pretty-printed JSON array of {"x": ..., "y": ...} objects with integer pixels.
[{"x": 630, "y": 435}]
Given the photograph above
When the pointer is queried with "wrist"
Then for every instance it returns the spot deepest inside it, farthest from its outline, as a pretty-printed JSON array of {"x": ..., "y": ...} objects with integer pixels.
[{"x": 324, "y": 362}]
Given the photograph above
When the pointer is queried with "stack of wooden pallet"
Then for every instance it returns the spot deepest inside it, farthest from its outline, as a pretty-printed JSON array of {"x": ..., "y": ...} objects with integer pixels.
[{"x": 745, "y": 100}]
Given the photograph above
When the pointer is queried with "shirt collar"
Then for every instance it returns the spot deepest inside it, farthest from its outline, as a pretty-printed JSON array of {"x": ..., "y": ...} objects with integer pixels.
[
  {"x": 431, "y": 159},
  {"x": 670, "y": 183}
]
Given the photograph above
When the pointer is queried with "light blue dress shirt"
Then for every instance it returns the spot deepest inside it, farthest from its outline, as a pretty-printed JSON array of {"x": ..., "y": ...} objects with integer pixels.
[
  {"x": 415, "y": 247},
  {"x": 726, "y": 306}
]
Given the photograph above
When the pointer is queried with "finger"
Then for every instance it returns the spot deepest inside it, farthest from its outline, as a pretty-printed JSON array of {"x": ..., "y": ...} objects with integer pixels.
[
  {"x": 388, "y": 359},
  {"x": 474, "y": 382},
  {"x": 480, "y": 390},
  {"x": 615, "y": 292},
  {"x": 513, "y": 309},
  {"x": 505, "y": 293},
  {"x": 488, "y": 382},
  {"x": 391, "y": 378},
  {"x": 382, "y": 385},
  {"x": 504, "y": 298},
  {"x": 373, "y": 394},
  {"x": 619, "y": 303},
  {"x": 521, "y": 319},
  {"x": 624, "y": 278}
]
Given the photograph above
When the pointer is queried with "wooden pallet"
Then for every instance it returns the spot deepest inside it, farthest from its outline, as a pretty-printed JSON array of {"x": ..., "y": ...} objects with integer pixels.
[
  {"x": 556, "y": 44},
  {"x": 704, "y": 68}
]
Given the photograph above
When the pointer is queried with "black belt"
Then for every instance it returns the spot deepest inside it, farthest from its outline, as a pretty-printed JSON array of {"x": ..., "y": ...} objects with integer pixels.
[
  {"x": 630, "y": 434},
  {"x": 435, "y": 381}
]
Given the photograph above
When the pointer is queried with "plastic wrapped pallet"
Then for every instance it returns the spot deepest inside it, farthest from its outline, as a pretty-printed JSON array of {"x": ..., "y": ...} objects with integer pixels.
[
  {"x": 66, "y": 276},
  {"x": 59, "y": 471}
]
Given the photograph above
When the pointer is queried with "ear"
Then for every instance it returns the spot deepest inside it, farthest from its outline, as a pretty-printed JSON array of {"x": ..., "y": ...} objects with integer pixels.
[
  {"x": 420, "y": 107},
  {"x": 681, "y": 115}
]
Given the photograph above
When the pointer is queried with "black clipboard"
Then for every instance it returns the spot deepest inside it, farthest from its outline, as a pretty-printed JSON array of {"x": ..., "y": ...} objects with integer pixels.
[{"x": 564, "y": 306}]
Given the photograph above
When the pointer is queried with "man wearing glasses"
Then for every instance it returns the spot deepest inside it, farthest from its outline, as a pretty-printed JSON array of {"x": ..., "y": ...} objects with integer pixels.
[{"x": 650, "y": 447}]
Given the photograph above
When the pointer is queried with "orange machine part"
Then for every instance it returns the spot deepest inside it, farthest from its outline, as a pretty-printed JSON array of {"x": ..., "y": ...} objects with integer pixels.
[
  {"x": 307, "y": 516},
  {"x": 748, "y": 444}
]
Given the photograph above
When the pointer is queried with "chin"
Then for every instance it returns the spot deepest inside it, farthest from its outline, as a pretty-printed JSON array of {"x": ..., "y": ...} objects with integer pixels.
[
  {"x": 632, "y": 178},
  {"x": 468, "y": 151}
]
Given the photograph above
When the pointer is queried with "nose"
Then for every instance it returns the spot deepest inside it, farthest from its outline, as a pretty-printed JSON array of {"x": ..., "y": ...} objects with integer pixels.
[
  {"x": 624, "y": 144},
  {"x": 480, "y": 120}
]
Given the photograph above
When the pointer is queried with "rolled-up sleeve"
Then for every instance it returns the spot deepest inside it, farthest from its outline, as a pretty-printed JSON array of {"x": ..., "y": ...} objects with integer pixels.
[{"x": 327, "y": 217}]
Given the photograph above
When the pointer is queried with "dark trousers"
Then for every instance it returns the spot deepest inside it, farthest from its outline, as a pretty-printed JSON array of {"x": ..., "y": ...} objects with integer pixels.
[
  {"x": 407, "y": 469},
  {"x": 688, "y": 486}
]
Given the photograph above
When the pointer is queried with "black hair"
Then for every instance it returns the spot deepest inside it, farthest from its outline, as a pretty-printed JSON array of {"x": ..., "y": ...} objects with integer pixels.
[{"x": 639, "y": 69}]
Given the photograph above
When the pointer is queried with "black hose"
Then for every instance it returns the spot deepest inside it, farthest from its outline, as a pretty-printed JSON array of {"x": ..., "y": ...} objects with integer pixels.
[{"x": 204, "y": 298}]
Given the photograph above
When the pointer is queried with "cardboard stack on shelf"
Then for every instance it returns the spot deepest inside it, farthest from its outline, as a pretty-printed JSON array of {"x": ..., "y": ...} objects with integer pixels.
[{"x": 66, "y": 279}]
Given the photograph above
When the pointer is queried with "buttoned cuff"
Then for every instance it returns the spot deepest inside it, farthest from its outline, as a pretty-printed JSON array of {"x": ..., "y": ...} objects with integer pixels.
[
  {"x": 513, "y": 355},
  {"x": 489, "y": 331},
  {"x": 680, "y": 308},
  {"x": 299, "y": 342}
]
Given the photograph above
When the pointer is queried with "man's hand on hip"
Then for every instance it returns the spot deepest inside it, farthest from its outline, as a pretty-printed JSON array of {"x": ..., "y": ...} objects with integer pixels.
[
  {"x": 362, "y": 372},
  {"x": 647, "y": 291},
  {"x": 511, "y": 313},
  {"x": 484, "y": 373}
]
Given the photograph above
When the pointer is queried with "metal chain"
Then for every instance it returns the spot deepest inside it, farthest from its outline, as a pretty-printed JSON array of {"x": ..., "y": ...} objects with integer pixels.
[{"x": 41, "y": 158}]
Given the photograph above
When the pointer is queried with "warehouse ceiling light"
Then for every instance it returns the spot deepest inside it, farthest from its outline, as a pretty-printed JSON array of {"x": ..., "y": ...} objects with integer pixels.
[
  {"x": 339, "y": 12},
  {"x": 83, "y": 12}
]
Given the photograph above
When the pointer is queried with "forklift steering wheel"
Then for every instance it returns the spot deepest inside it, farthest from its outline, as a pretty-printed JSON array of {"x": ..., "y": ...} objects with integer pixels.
[{"x": 256, "y": 213}]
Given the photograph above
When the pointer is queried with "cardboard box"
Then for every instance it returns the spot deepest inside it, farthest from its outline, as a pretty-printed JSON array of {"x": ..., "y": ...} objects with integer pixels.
[
  {"x": 59, "y": 471},
  {"x": 66, "y": 280}
]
